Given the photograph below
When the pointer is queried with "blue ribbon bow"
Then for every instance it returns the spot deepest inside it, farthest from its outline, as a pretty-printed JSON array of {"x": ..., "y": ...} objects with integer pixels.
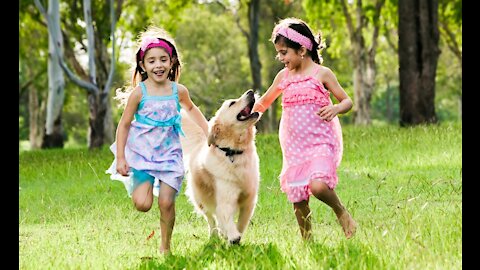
[{"x": 175, "y": 121}]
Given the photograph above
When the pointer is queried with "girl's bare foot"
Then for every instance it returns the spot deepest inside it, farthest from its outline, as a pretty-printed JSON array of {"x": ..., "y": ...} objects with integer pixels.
[{"x": 349, "y": 225}]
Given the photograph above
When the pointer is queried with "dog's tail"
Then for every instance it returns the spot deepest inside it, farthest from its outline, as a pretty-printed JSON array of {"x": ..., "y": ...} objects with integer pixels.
[{"x": 194, "y": 137}]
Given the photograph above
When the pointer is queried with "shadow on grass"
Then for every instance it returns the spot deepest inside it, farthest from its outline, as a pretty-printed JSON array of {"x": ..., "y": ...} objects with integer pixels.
[{"x": 243, "y": 256}]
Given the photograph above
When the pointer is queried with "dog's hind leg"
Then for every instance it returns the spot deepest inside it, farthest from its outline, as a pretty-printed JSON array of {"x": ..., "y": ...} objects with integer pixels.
[{"x": 212, "y": 225}]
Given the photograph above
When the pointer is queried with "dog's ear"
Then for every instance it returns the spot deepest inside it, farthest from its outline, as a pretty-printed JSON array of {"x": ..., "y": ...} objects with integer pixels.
[{"x": 212, "y": 135}]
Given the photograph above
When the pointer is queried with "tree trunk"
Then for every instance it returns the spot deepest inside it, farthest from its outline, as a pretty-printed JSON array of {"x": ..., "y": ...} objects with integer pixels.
[
  {"x": 108, "y": 124},
  {"x": 265, "y": 124},
  {"x": 363, "y": 82},
  {"x": 363, "y": 57},
  {"x": 362, "y": 98},
  {"x": 272, "y": 119},
  {"x": 36, "y": 118},
  {"x": 97, "y": 96},
  {"x": 418, "y": 58},
  {"x": 460, "y": 108},
  {"x": 97, "y": 103},
  {"x": 56, "y": 138},
  {"x": 388, "y": 102},
  {"x": 102, "y": 61},
  {"x": 255, "y": 65},
  {"x": 56, "y": 83}
]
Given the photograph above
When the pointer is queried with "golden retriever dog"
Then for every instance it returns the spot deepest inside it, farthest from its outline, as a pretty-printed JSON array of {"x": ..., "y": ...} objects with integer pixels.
[{"x": 223, "y": 169}]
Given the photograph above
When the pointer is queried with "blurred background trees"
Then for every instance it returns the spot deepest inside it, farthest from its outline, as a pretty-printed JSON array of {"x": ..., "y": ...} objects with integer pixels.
[{"x": 217, "y": 41}]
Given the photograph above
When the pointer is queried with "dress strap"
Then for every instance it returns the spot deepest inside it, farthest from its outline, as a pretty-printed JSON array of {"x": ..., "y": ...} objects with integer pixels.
[
  {"x": 144, "y": 95},
  {"x": 144, "y": 89},
  {"x": 175, "y": 93}
]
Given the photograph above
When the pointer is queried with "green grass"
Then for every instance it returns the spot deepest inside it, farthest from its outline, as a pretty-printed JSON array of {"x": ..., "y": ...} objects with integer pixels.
[{"x": 402, "y": 185}]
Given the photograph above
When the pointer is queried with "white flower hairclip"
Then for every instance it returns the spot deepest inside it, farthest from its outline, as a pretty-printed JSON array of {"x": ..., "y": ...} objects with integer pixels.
[{"x": 147, "y": 41}]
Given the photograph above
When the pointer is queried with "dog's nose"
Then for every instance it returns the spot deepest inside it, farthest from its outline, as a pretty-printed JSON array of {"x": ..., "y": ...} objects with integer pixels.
[{"x": 250, "y": 92}]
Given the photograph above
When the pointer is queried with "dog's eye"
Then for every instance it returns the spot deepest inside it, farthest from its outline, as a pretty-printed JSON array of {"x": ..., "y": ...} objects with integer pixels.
[{"x": 233, "y": 102}]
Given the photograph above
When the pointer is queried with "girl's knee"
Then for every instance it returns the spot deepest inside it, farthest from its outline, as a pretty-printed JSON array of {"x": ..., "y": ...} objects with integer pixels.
[
  {"x": 142, "y": 206},
  {"x": 166, "y": 204},
  {"x": 142, "y": 203},
  {"x": 318, "y": 187}
]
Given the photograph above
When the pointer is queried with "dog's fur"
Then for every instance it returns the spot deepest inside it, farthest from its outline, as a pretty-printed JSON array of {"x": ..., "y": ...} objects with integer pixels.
[{"x": 220, "y": 186}]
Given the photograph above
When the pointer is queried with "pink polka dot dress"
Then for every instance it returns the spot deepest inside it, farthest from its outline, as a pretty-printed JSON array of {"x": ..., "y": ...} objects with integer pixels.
[{"x": 312, "y": 148}]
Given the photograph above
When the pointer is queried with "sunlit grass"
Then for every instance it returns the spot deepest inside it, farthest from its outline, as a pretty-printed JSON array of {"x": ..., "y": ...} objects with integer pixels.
[{"x": 402, "y": 185}]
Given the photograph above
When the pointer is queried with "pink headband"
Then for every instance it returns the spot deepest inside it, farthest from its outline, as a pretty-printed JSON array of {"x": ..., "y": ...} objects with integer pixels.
[
  {"x": 152, "y": 42},
  {"x": 295, "y": 37}
]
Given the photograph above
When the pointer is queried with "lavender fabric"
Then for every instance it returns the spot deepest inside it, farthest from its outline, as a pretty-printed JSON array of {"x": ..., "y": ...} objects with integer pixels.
[{"x": 155, "y": 149}]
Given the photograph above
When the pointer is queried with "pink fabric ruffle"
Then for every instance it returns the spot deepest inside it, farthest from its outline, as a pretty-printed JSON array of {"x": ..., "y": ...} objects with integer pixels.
[
  {"x": 321, "y": 167},
  {"x": 302, "y": 193},
  {"x": 298, "y": 194},
  {"x": 304, "y": 90}
]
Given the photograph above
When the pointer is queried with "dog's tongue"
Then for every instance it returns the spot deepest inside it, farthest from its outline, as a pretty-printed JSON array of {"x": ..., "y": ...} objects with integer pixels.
[{"x": 245, "y": 111}]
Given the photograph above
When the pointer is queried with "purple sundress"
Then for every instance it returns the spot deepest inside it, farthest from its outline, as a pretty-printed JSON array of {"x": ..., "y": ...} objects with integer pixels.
[{"x": 153, "y": 142}]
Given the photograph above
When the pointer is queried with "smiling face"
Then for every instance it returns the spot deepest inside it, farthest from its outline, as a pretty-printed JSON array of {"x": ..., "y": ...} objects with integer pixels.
[
  {"x": 291, "y": 58},
  {"x": 157, "y": 64}
]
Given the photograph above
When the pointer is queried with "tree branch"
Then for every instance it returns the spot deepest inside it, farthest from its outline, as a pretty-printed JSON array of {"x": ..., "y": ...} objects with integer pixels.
[
  {"x": 376, "y": 26},
  {"x": 23, "y": 88},
  {"x": 235, "y": 17},
  {"x": 86, "y": 85},
  {"x": 348, "y": 18},
  {"x": 87, "y": 13},
  {"x": 112, "y": 63},
  {"x": 451, "y": 42},
  {"x": 388, "y": 38},
  {"x": 70, "y": 56}
]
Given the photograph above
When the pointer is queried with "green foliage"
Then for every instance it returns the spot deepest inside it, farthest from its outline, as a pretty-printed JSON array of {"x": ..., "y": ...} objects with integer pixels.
[
  {"x": 402, "y": 185},
  {"x": 74, "y": 116},
  {"x": 168, "y": 13},
  {"x": 327, "y": 17},
  {"x": 215, "y": 55},
  {"x": 451, "y": 10},
  {"x": 448, "y": 87},
  {"x": 215, "y": 58},
  {"x": 32, "y": 63}
]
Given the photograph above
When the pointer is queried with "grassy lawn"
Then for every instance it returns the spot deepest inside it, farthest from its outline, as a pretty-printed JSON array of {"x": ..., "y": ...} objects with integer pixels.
[{"x": 402, "y": 185}]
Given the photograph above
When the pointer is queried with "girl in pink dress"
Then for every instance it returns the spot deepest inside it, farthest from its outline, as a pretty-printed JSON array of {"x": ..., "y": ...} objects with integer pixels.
[
  {"x": 147, "y": 147},
  {"x": 310, "y": 133}
]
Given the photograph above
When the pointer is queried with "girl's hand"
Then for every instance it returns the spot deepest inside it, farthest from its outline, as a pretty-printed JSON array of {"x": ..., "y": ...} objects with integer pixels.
[
  {"x": 328, "y": 112},
  {"x": 122, "y": 167}
]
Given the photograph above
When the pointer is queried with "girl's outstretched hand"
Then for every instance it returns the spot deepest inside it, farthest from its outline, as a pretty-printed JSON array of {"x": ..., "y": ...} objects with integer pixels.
[
  {"x": 327, "y": 113},
  {"x": 122, "y": 167}
]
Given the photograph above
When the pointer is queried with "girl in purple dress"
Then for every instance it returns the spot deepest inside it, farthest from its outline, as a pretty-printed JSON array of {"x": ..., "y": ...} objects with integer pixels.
[
  {"x": 310, "y": 133},
  {"x": 147, "y": 146}
]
